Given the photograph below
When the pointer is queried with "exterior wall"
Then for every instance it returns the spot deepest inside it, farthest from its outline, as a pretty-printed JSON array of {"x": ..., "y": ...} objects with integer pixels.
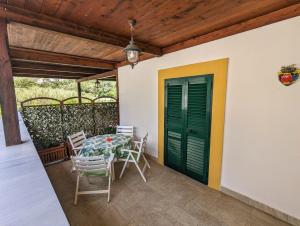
[{"x": 261, "y": 149}]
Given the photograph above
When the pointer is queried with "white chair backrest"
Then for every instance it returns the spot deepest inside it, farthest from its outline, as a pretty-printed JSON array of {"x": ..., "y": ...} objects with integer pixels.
[
  {"x": 90, "y": 164},
  {"x": 141, "y": 146},
  {"x": 125, "y": 130},
  {"x": 76, "y": 140}
]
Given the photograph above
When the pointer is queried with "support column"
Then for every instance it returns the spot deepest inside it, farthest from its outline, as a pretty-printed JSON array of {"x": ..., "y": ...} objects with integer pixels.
[
  {"x": 7, "y": 92},
  {"x": 79, "y": 92},
  {"x": 118, "y": 100}
]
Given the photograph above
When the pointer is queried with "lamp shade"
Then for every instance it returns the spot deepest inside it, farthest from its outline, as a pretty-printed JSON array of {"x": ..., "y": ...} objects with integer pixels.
[
  {"x": 132, "y": 56},
  {"x": 132, "y": 52}
]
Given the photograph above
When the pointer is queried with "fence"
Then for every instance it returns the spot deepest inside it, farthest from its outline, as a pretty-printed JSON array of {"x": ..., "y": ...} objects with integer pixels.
[{"x": 49, "y": 124}]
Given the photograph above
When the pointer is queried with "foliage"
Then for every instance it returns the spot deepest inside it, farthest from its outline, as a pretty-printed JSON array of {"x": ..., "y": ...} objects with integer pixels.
[
  {"x": 50, "y": 125},
  {"x": 44, "y": 125},
  {"x": 289, "y": 68},
  {"x": 27, "y": 88}
]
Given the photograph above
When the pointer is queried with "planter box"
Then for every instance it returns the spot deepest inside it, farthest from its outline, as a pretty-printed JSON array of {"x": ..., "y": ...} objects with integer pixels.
[{"x": 53, "y": 155}]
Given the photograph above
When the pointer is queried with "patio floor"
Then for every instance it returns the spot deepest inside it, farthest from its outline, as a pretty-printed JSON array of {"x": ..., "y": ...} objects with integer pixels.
[{"x": 168, "y": 198}]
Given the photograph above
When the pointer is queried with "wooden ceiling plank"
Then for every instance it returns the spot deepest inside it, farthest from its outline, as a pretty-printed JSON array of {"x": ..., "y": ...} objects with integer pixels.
[
  {"x": 18, "y": 3},
  {"x": 206, "y": 17},
  {"x": 107, "y": 74},
  {"x": 273, "y": 17},
  {"x": 59, "y": 68},
  {"x": 282, "y": 14},
  {"x": 62, "y": 59},
  {"x": 25, "y": 36},
  {"x": 34, "y": 5},
  {"x": 43, "y": 21},
  {"x": 50, "y": 7}
]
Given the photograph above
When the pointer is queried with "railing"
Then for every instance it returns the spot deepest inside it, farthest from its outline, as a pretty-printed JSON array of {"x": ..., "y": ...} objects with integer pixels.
[{"x": 49, "y": 124}]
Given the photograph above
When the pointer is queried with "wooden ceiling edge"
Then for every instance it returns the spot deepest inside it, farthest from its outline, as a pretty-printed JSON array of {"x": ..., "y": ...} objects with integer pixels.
[
  {"x": 23, "y": 16},
  {"x": 98, "y": 76},
  {"x": 273, "y": 17},
  {"x": 40, "y": 56}
]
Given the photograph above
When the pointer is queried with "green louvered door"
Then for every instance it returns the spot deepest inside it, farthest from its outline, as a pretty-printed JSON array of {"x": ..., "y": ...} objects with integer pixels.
[{"x": 187, "y": 125}]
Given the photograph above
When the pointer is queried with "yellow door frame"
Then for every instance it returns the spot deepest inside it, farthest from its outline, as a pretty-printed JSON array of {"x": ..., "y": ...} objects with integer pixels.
[{"x": 219, "y": 70}]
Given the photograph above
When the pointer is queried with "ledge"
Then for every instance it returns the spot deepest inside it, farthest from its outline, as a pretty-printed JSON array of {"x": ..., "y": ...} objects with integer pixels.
[{"x": 27, "y": 196}]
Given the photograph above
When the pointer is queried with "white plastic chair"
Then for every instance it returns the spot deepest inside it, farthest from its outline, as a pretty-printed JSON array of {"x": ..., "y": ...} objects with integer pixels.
[
  {"x": 125, "y": 130},
  {"x": 92, "y": 166},
  {"x": 76, "y": 140},
  {"x": 134, "y": 156}
]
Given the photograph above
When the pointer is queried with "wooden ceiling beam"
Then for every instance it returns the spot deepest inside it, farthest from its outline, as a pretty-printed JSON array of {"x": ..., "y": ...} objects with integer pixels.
[
  {"x": 58, "y": 58},
  {"x": 107, "y": 74},
  {"x": 48, "y": 73},
  {"x": 273, "y": 17},
  {"x": 51, "y": 23},
  {"x": 112, "y": 79},
  {"x": 54, "y": 68},
  {"x": 44, "y": 76}
]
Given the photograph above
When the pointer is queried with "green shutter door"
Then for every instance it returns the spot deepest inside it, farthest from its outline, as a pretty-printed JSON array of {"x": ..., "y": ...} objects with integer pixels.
[
  {"x": 174, "y": 122},
  {"x": 187, "y": 146},
  {"x": 198, "y": 127}
]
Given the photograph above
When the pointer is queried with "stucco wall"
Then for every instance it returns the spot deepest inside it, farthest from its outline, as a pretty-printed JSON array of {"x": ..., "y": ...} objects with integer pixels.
[{"x": 261, "y": 154}]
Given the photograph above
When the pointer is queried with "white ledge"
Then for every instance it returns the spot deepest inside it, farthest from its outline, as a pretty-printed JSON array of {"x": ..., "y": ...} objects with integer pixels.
[{"x": 27, "y": 196}]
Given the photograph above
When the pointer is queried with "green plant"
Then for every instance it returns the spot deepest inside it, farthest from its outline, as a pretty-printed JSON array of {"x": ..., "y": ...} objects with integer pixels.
[
  {"x": 27, "y": 88},
  {"x": 288, "y": 69}
]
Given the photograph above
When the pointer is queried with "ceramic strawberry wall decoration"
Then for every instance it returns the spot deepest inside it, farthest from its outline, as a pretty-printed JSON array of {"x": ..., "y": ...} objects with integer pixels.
[{"x": 288, "y": 74}]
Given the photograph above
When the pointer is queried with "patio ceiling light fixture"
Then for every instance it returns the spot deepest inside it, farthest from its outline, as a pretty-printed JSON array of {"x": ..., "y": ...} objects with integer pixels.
[
  {"x": 97, "y": 84},
  {"x": 132, "y": 50}
]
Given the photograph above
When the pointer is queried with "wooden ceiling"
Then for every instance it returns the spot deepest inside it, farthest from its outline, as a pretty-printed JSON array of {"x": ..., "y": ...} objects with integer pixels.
[{"x": 97, "y": 30}]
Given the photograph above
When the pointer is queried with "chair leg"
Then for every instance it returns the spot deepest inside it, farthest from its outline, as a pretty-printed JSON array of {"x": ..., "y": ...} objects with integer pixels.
[
  {"x": 76, "y": 191},
  {"x": 113, "y": 171},
  {"x": 137, "y": 166},
  {"x": 144, "y": 168},
  {"x": 125, "y": 164},
  {"x": 109, "y": 181},
  {"x": 146, "y": 161}
]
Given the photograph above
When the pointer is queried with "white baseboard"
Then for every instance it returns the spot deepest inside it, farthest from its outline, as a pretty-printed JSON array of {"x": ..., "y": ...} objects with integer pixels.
[{"x": 263, "y": 207}]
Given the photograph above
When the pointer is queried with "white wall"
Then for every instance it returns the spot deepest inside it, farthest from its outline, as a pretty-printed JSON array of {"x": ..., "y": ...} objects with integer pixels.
[{"x": 261, "y": 155}]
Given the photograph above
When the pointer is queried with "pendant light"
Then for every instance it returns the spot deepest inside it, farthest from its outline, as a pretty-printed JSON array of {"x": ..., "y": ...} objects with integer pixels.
[
  {"x": 97, "y": 84},
  {"x": 132, "y": 51}
]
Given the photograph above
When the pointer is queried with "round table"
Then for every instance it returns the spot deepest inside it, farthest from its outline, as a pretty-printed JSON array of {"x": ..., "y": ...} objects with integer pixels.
[{"x": 99, "y": 145}]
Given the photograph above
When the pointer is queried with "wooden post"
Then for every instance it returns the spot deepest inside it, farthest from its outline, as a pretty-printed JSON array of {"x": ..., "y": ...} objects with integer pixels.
[
  {"x": 79, "y": 92},
  {"x": 7, "y": 92},
  {"x": 118, "y": 100}
]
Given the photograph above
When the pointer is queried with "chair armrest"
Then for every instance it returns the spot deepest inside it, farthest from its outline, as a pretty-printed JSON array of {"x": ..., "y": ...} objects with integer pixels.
[
  {"x": 136, "y": 144},
  {"x": 77, "y": 150},
  {"x": 130, "y": 151}
]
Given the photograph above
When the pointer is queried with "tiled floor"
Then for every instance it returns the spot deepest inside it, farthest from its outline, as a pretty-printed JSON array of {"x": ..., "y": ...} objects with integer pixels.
[{"x": 168, "y": 198}]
